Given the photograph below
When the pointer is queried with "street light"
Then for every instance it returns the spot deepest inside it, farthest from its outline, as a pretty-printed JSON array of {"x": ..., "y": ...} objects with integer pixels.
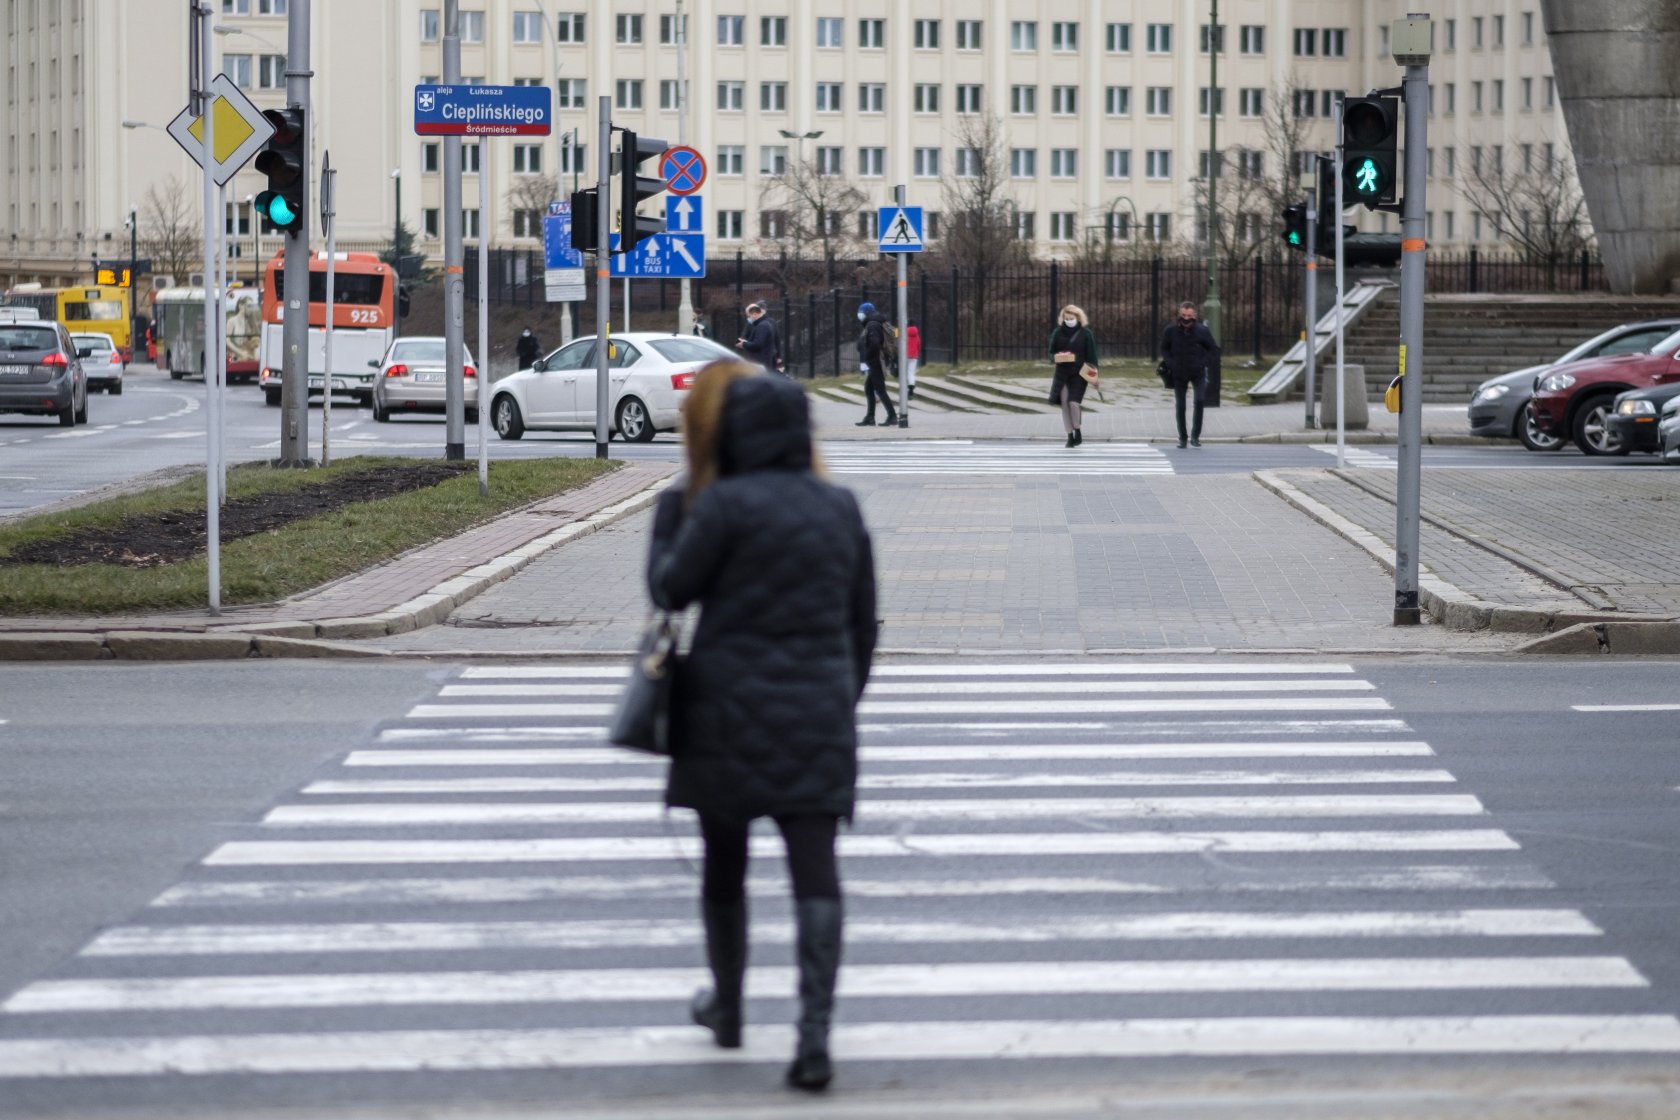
[
  {"x": 396, "y": 245},
  {"x": 1211, "y": 310},
  {"x": 223, "y": 29}
]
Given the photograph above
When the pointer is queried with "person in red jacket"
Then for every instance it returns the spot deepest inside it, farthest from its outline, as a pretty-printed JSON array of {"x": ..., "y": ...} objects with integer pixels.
[{"x": 912, "y": 354}]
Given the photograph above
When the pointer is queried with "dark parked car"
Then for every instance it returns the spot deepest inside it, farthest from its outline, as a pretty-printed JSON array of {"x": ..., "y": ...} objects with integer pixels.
[
  {"x": 41, "y": 371},
  {"x": 1499, "y": 406},
  {"x": 1575, "y": 400},
  {"x": 1668, "y": 431},
  {"x": 1633, "y": 416}
]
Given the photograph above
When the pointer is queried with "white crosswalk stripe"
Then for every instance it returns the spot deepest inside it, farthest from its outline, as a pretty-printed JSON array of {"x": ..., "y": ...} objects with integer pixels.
[
  {"x": 1257, "y": 867},
  {"x": 1361, "y": 457},
  {"x": 948, "y": 457}
]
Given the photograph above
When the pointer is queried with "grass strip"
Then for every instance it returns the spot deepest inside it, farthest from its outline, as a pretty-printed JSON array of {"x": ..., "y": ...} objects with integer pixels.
[{"x": 277, "y": 563}]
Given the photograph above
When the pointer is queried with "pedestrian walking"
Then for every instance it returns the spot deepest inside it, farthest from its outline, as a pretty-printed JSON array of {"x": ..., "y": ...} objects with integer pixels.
[
  {"x": 872, "y": 346},
  {"x": 527, "y": 349},
  {"x": 764, "y": 719},
  {"x": 912, "y": 355},
  {"x": 701, "y": 327},
  {"x": 1072, "y": 348},
  {"x": 1188, "y": 354},
  {"x": 762, "y": 342}
]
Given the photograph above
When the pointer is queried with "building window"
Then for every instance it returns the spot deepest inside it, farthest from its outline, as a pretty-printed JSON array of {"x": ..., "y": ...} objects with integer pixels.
[
  {"x": 968, "y": 34},
  {"x": 969, "y": 100},
  {"x": 669, "y": 94},
  {"x": 1064, "y": 36},
  {"x": 1218, "y": 99},
  {"x": 1475, "y": 97},
  {"x": 926, "y": 98},
  {"x": 1251, "y": 102},
  {"x": 429, "y": 222},
  {"x": 527, "y": 27},
  {"x": 1335, "y": 42},
  {"x": 1527, "y": 94},
  {"x": 1476, "y": 33},
  {"x": 271, "y": 7},
  {"x": 1064, "y": 163},
  {"x": 868, "y": 228},
  {"x": 828, "y": 97},
  {"x": 469, "y": 158},
  {"x": 571, "y": 94},
  {"x": 1117, "y": 225},
  {"x": 1023, "y": 35},
  {"x": 830, "y": 161},
  {"x": 1528, "y": 29},
  {"x": 237, "y": 68},
  {"x": 1452, "y": 99},
  {"x": 469, "y": 224},
  {"x": 930, "y": 225},
  {"x": 1117, "y": 163},
  {"x": 731, "y": 31},
  {"x": 772, "y": 159},
  {"x": 568, "y": 27},
  {"x": 1026, "y": 225},
  {"x": 730, "y": 157},
  {"x": 829, "y": 32},
  {"x": 772, "y": 223},
  {"x": 1117, "y": 101},
  {"x": 1251, "y": 164},
  {"x": 1023, "y": 163},
  {"x": 629, "y": 94},
  {"x": 527, "y": 223},
  {"x": 1064, "y": 100},
  {"x": 1023, "y": 100},
  {"x": 1499, "y": 95},
  {"x": 527, "y": 159},
  {"x": 229, "y": 8},
  {"x": 1551, "y": 92},
  {"x": 668, "y": 30},
  {"x": 1157, "y": 163},
  {"x": 472, "y": 28},
  {"x": 271, "y": 71},
  {"x": 1202, "y": 165},
  {"x": 925, "y": 162},
  {"x": 872, "y": 162},
  {"x": 731, "y": 96},
  {"x": 772, "y": 97},
  {"x": 926, "y": 34},
  {"x": 1306, "y": 103},
  {"x": 1157, "y": 38},
  {"x": 1208, "y": 34},
  {"x": 968, "y": 163},
  {"x": 430, "y": 156},
  {"x": 1062, "y": 225},
  {"x": 772, "y": 31},
  {"x": 872, "y": 97},
  {"x": 1157, "y": 226},
  {"x": 729, "y": 225},
  {"x": 1251, "y": 39},
  {"x": 629, "y": 29},
  {"x": 1117, "y": 38},
  {"x": 1382, "y": 42},
  {"x": 872, "y": 33},
  {"x": 1157, "y": 101},
  {"x": 429, "y": 25},
  {"x": 1449, "y": 159},
  {"x": 574, "y": 159}
]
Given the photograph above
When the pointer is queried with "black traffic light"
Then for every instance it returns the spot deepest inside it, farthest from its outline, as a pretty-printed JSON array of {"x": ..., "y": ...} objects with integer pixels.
[
  {"x": 1370, "y": 137},
  {"x": 634, "y": 228},
  {"x": 1295, "y": 226},
  {"x": 585, "y": 219},
  {"x": 283, "y": 160}
]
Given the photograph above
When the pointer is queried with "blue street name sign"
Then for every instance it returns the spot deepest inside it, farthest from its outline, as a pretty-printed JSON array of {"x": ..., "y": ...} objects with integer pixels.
[
  {"x": 480, "y": 110},
  {"x": 901, "y": 229}
]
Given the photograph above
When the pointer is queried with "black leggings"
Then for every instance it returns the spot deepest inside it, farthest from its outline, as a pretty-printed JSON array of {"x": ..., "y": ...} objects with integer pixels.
[{"x": 810, "y": 856}]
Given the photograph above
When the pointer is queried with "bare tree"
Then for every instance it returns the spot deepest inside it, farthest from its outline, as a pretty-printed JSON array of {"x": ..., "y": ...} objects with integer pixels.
[
  {"x": 1539, "y": 210},
  {"x": 532, "y": 193},
  {"x": 810, "y": 208},
  {"x": 980, "y": 210},
  {"x": 171, "y": 229},
  {"x": 1286, "y": 144}
]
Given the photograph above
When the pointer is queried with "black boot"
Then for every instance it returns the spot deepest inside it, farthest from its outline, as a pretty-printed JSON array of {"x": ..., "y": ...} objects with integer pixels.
[
  {"x": 718, "y": 1008},
  {"x": 866, "y": 422},
  {"x": 819, "y": 967},
  {"x": 1071, "y": 441},
  {"x": 1078, "y": 437},
  {"x": 891, "y": 421}
]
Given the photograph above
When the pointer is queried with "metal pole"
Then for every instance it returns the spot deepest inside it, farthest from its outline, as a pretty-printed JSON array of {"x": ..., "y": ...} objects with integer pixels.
[
  {"x": 396, "y": 253},
  {"x": 1341, "y": 296},
  {"x": 603, "y": 271},
  {"x": 329, "y": 214},
  {"x": 216, "y": 343},
  {"x": 903, "y": 319},
  {"x": 294, "y": 345},
  {"x": 685, "y": 294},
  {"x": 483, "y": 409},
  {"x": 1212, "y": 312},
  {"x": 212, "y": 474},
  {"x": 626, "y": 326},
  {"x": 133, "y": 280},
  {"x": 1311, "y": 367},
  {"x": 559, "y": 166},
  {"x": 454, "y": 257},
  {"x": 1409, "y": 481}
]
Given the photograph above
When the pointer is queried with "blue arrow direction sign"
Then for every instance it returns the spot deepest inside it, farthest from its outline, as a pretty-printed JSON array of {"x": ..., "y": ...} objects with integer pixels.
[
  {"x": 479, "y": 110},
  {"x": 670, "y": 256},
  {"x": 685, "y": 213},
  {"x": 901, "y": 229}
]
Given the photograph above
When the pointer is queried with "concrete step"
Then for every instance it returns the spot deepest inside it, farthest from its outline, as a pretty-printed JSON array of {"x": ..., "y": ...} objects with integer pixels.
[{"x": 979, "y": 400}]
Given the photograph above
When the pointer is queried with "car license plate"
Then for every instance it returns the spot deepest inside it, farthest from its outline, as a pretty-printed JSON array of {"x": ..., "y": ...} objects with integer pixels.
[
  {"x": 427, "y": 375},
  {"x": 14, "y": 371}
]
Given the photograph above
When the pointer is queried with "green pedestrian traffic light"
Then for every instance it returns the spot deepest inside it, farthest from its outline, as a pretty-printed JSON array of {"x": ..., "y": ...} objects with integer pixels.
[
  {"x": 1370, "y": 148},
  {"x": 1295, "y": 226},
  {"x": 1367, "y": 178}
]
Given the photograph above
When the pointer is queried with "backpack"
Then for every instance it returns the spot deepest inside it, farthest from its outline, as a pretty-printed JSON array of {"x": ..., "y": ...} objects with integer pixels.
[{"x": 889, "y": 348}]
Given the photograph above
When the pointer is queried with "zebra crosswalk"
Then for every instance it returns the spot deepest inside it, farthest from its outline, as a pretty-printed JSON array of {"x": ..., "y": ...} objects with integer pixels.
[
  {"x": 948, "y": 457},
  {"x": 1262, "y": 860}
]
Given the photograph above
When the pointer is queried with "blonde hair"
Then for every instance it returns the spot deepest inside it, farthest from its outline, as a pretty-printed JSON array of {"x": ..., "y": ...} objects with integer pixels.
[
  {"x": 1076, "y": 312},
  {"x": 702, "y": 415}
]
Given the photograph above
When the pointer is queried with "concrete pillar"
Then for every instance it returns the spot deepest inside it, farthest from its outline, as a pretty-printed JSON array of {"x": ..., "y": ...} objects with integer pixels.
[{"x": 1617, "y": 65}]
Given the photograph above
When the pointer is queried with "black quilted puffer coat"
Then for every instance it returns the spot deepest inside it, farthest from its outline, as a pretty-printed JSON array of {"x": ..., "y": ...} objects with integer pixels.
[{"x": 764, "y": 720}]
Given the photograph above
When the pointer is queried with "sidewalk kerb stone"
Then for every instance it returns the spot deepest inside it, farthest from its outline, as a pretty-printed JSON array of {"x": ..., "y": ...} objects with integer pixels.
[
  {"x": 148, "y": 645},
  {"x": 53, "y": 646},
  {"x": 272, "y": 646}
]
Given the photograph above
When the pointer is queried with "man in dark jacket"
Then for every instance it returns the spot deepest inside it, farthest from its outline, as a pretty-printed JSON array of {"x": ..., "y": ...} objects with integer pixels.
[
  {"x": 762, "y": 343},
  {"x": 527, "y": 349},
  {"x": 872, "y": 341},
  {"x": 1188, "y": 355}
]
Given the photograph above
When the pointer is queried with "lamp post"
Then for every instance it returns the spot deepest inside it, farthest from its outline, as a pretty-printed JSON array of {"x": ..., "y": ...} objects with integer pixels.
[
  {"x": 256, "y": 244},
  {"x": 560, "y": 141},
  {"x": 396, "y": 246},
  {"x": 1211, "y": 310}
]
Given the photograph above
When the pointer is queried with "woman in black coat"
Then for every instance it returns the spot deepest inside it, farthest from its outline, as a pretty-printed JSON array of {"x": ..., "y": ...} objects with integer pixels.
[
  {"x": 1072, "y": 347},
  {"x": 764, "y": 717}
]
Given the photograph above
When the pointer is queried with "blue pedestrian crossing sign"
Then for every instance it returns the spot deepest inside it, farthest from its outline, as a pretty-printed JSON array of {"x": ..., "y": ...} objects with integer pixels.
[{"x": 901, "y": 229}]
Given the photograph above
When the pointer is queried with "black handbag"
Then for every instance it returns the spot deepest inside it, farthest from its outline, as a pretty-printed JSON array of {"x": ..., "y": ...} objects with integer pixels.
[
  {"x": 642, "y": 720},
  {"x": 1161, "y": 372}
]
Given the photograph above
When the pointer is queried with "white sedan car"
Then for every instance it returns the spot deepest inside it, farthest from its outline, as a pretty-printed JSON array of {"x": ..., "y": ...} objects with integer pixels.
[
  {"x": 649, "y": 376},
  {"x": 102, "y": 363}
]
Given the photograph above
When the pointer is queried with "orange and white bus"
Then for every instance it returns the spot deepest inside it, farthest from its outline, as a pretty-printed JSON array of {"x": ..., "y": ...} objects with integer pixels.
[{"x": 364, "y": 323}]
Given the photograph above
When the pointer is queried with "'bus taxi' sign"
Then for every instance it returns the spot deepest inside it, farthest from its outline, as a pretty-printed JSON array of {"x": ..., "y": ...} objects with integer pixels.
[{"x": 481, "y": 110}]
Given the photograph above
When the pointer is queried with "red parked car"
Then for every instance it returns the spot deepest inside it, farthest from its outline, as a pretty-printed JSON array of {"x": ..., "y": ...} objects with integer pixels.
[{"x": 1575, "y": 400}]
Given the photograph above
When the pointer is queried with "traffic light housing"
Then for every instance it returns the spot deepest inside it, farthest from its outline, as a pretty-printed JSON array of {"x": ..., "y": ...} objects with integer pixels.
[
  {"x": 283, "y": 159},
  {"x": 1370, "y": 140},
  {"x": 634, "y": 228},
  {"x": 585, "y": 218},
  {"x": 1295, "y": 226}
]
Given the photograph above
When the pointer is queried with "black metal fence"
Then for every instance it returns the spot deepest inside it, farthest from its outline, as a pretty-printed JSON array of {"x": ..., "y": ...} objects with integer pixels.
[{"x": 1128, "y": 302}]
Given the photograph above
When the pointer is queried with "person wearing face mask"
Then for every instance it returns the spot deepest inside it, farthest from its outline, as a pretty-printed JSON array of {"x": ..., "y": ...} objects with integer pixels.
[
  {"x": 527, "y": 349},
  {"x": 1072, "y": 348},
  {"x": 762, "y": 343},
  {"x": 1188, "y": 355},
  {"x": 871, "y": 350}
]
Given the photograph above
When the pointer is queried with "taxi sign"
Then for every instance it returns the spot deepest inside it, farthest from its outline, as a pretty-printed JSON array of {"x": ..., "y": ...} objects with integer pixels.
[{"x": 241, "y": 130}]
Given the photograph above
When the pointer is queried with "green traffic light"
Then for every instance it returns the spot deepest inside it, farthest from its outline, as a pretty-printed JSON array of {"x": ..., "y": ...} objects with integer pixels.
[
  {"x": 1294, "y": 238},
  {"x": 279, "y": 213}
]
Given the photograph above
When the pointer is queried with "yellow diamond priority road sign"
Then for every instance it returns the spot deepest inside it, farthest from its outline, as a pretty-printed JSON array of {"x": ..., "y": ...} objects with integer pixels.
[{"x": 240, "y": 130}]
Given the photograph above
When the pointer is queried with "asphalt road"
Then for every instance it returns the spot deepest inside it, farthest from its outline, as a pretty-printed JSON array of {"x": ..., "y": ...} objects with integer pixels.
[
  {"x": 159, "y": 423},
  {"x": 1229, "y": 887}
]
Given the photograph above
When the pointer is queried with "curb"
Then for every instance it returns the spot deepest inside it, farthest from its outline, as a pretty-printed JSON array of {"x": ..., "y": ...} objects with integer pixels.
[
  {"x": 1571, "y": 632},
  {"x": 323, "y": 638}
]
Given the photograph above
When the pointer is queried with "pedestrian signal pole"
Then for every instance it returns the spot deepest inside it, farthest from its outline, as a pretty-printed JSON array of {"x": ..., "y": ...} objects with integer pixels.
[
  {"x": 454, "y": 257},
  {"x": 294, "y": 346},
  {"x": 1310, "y": 369},
  {"x": 603, "y": 269},
  {"x": 1410, "y": 43},
  {"x": 203, "y": 101},
  {"x": 1341, "y": 307},
  {"x": 902, "y": 315}
]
